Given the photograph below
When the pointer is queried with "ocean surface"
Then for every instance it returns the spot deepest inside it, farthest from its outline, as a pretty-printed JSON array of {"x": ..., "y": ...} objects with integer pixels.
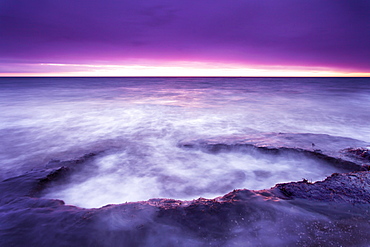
[{"x": 137, "y": 124}]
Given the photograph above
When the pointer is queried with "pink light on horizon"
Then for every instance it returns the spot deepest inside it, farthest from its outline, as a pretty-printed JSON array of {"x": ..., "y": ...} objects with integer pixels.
[{"x": 177, "y": 68}]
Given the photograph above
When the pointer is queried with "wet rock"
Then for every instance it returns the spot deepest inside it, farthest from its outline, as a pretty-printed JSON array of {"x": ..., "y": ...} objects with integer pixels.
[
  {"x": 324, "y": 147},
  {"x": 351, "y": 187},
  {"x": 332, "y": 212},
  {"x": 362, "y": 154}
]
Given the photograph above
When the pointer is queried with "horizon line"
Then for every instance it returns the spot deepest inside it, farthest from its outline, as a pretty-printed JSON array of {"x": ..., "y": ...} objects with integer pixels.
[{"x": 68, "y": 76}]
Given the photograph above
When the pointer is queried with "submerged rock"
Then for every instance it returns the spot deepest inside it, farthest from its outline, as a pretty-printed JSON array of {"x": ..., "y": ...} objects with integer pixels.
[
  {"x": 362, "y": 154},
  {"x": 333, "y": 149},
  {"x": 332, "y": 212}
]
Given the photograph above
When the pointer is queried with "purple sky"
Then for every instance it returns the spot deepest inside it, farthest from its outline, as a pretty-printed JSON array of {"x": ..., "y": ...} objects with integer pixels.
[{"x": 329, "y": 33}]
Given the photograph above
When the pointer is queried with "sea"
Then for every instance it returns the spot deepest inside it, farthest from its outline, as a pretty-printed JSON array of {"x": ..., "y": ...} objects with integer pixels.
[{"x": 136, "y": 123}]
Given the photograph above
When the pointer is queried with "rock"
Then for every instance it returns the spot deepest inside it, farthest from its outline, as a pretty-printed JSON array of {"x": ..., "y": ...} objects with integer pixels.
[
  {"x": 362, "y": 154},
  {"x": 332, "y": 212},
  {"x": 330, "y": 148},
  {"x": 350, "y": 188}
]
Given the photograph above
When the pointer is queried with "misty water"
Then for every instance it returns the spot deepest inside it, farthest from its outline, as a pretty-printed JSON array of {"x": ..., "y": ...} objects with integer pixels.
[{"x": 137, "y": 123}]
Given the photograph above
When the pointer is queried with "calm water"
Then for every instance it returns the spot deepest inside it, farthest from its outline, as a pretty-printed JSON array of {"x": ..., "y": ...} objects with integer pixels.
[{"x": 139, "y": 121}]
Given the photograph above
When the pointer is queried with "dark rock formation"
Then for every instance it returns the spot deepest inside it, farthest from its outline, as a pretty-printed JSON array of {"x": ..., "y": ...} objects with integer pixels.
[
  {"x": 361, "y": 154},
  {"x": 340, "y": 188},
  {"x": 338, "y": 151},
  {"x": 333, "y": 212}
]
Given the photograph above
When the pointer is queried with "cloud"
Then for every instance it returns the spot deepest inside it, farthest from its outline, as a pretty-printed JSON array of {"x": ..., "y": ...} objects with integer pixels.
[{"x": 287, "y": 32}]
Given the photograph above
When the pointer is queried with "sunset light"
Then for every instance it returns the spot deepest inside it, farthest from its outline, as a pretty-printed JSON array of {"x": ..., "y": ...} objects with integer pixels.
[
  {"x": 184, "y": 123},
  {"x": 179, "y": 69}
]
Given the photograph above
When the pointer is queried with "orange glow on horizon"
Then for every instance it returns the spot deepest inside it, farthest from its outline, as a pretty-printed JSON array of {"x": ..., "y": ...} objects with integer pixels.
[{"x": 187, "y": 69}]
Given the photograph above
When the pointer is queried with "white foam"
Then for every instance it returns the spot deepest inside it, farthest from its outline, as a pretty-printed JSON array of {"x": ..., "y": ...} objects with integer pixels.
[
  {"x": 181, "y": 174},
  {"x": 140, "y": 126}
]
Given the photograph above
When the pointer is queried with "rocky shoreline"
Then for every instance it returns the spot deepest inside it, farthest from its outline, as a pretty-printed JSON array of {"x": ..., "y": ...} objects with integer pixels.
[{"x": 332, "y": 212}]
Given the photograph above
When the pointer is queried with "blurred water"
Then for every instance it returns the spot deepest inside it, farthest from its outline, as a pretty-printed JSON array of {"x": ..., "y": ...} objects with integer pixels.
[{"x": 139, "y": 121}]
